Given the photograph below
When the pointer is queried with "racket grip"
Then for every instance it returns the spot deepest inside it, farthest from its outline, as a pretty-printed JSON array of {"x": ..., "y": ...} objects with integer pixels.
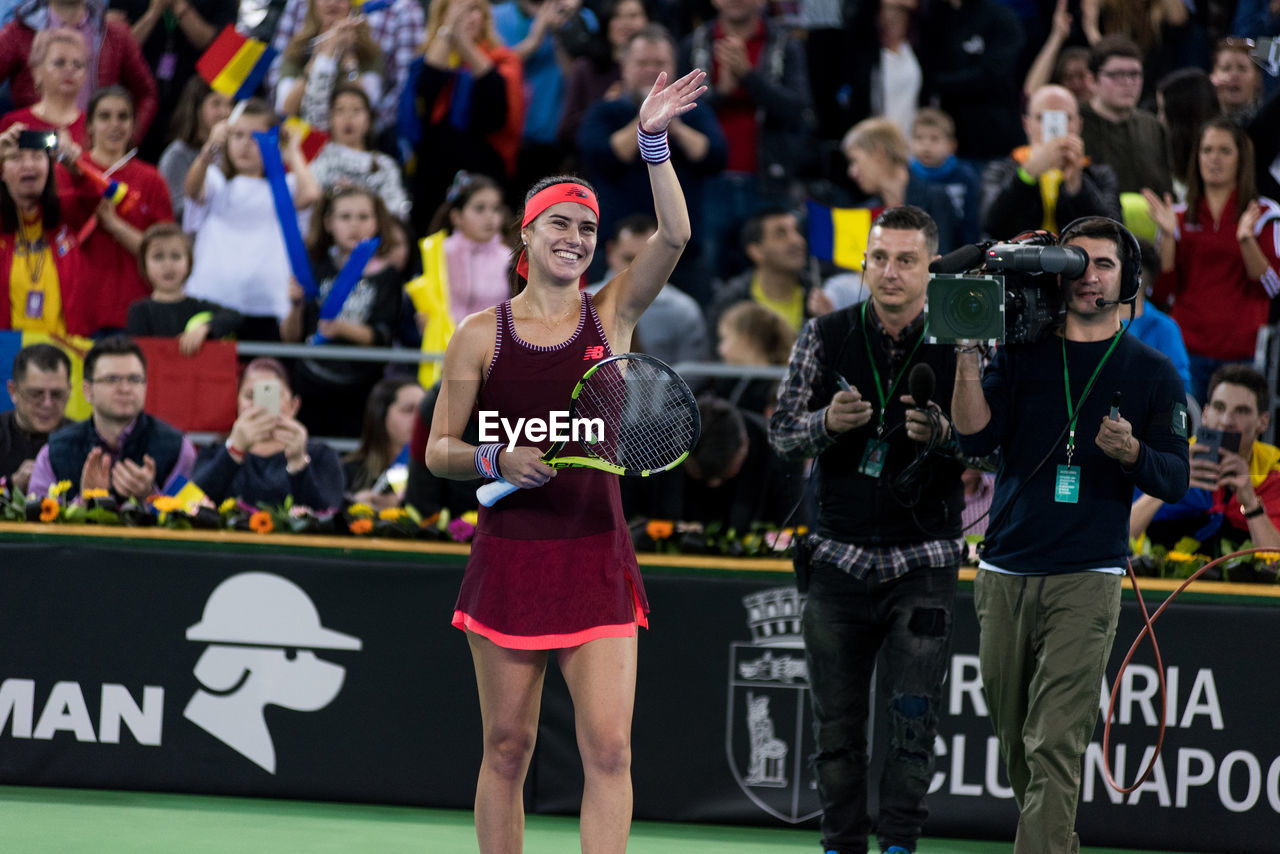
[{"x": 491, "y": 493}]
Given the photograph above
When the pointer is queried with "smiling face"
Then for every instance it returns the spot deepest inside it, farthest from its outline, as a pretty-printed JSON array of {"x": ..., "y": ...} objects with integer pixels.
[
  {"x": 562, "y": 241},
  {"x": 782, "y": 248},
  {"x": 111, "y": 124}
]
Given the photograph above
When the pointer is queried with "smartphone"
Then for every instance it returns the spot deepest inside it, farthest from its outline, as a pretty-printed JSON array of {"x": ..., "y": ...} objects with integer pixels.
[
  {"x": 1053, "y": 124},
  {"x": 1215, "y": 441},
  {"x": 37, "y": 140},
  {"x": 266, "y": 394}
]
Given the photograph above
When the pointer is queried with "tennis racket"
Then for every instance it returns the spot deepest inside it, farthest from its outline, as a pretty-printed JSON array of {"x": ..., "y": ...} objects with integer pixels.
[{"x": 649, "y": 420}]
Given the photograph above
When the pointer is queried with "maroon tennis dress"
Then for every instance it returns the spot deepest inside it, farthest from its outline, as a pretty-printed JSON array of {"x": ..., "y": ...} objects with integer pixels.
[{"x": 554, "y": 566}]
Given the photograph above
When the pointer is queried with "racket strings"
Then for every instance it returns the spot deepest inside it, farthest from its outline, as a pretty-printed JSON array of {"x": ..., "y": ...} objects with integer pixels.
[{"x": 648, "y": 416}]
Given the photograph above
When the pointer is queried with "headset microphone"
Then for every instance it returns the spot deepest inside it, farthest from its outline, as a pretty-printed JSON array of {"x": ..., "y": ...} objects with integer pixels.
[{"x": 1103, "y": 303}]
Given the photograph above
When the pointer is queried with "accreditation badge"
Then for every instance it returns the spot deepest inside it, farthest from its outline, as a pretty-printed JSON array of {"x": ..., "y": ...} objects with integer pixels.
[
  {"x": 1066, "y": 488},
  {"x": 873, "y": 458}
]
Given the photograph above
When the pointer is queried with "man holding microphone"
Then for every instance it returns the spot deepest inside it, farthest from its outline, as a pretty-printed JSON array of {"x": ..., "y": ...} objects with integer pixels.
[
  {"x": 887, "y": 544},
  {"x": 1080, "y": 417}
]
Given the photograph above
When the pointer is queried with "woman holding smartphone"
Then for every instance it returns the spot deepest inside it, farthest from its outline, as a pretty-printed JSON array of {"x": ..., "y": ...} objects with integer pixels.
[{"x": 269, "y": 456}]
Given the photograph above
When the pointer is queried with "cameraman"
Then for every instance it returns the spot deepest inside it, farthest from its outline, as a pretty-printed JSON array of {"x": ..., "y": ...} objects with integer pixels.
[
  {"x": 1048, "y": 589},
  {"x": 887, "y": 547}
]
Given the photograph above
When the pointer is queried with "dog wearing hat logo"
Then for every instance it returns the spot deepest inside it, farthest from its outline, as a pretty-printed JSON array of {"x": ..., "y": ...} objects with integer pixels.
[{"x": 263, "y": 633}]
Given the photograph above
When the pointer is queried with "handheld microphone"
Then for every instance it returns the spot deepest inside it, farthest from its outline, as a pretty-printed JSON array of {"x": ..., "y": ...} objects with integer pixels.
[
  {"x": 921, "y": 383},
  {"x": 959, "y": 260}
]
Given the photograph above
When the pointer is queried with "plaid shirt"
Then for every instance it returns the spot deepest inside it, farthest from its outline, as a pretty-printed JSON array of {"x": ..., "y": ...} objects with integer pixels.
[
  {"x": 796, "y": 431},
  {"x": 398, "y": 30}
]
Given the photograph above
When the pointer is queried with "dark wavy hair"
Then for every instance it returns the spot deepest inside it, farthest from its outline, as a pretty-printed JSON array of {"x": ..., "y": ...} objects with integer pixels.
[
  {"x": 514, "y": 279},
  {"x": 50, "y": 210},
  {"x": 374, "y": 453}
]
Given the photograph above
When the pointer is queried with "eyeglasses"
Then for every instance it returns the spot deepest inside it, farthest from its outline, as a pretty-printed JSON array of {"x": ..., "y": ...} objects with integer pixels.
[
  {"x": 1132, "y": 74},
  {"x": 35, "y": 395},
  {"x": 117, "y": 379}
]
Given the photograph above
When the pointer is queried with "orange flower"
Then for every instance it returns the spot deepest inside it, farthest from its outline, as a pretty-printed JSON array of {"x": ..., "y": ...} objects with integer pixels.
[
  {"x": 261, "y": 522},
  {"x": 659, "y": 529},
  {"x": 361, "y": 526},
  {"x": 49, "y": 508}
]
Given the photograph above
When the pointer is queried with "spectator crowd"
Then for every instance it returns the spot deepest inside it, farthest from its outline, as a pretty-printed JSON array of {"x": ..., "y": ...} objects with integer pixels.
[{"x": 152, "y": 205}]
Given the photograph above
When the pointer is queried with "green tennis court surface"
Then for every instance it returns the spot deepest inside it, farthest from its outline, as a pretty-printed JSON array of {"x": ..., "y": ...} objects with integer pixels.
[{"x": 70, "y": 821}]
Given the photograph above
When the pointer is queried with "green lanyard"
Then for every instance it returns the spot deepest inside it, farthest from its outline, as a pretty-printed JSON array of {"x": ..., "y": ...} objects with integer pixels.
[
  {"x": 1073, "y": 412},
  {"x": 875, "y": 372}
]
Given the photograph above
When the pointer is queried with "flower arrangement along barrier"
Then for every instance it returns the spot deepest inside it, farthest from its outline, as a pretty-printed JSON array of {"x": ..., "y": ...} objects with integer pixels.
[
  {"x": 98, "y": 507},
  {"x": 1186, "y": 557},
  {"x": 665, "y": 536}
]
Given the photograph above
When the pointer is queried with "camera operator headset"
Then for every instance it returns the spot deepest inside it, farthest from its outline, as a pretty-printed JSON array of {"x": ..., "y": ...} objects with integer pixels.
[
  {"x": 1031, "y": 259},
  {"x": 1086, "y": 499}
]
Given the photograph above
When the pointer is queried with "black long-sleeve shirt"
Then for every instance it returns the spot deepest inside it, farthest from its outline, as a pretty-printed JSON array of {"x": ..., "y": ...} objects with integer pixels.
[{"x": 1029, "y": 531}]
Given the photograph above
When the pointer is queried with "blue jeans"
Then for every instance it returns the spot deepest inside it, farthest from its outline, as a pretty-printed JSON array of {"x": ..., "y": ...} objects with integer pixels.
[{"x": 847, "y": 623}]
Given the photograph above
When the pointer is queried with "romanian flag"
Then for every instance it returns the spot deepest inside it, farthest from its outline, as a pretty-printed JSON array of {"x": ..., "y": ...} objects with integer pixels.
[
  {"x": 364, "y": 7},
  {"x": 430, "y": 295},
  {"x": 235, "y": 64},
  {"x": 313, "y": 139},
  {"x": 839, "y": 235},
  {"x": 75, "y": 347},
  {"x": 188, "y": 492}
]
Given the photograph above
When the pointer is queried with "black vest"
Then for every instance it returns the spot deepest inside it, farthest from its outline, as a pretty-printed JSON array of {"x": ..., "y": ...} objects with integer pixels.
[
  {"x": 70, "y": 447},
  {"x": 857, "y": 508}
]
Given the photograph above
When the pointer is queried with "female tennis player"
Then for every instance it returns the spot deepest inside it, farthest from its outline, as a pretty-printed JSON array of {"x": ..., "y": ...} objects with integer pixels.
[{"x": 552, "y": 566}]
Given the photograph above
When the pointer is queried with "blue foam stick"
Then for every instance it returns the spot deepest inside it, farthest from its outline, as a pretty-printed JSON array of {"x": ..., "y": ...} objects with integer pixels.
[
  {"x": 345, "y": 282},
  {"x": 273, "y": 169}
]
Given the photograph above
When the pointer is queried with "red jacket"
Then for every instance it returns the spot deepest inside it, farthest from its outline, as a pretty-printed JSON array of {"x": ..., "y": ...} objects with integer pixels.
[
  {"x": 119, "y": 61},
  {"x": 1217, "y": 305},
  {"x": 77, "y": 201},
  {"x": 118, "y": 280}
]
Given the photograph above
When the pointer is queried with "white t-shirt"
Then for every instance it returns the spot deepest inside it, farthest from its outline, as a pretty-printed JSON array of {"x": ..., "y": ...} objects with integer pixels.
[
  {"x": 240, "y": 258},
  {"x": 902, "y": 78}
]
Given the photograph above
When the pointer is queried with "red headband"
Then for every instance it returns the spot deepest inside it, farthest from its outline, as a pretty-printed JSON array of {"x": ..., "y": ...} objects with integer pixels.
[
  {"x": 545, "y": 198},
  {"x": 554, "y": 195}
]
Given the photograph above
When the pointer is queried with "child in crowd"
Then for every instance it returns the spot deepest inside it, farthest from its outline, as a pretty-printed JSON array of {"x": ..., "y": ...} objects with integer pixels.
[
  {"x": 377, "y": 471},
  {"x": 349, "y": 157},
  {"x": 475, "y": 254},
  {"x": 752, "y": 335},
  {"x": 110, "y": 246},
  {"x": 199, "y": 108},
  {"x": 333, "y": 391},
  {"x": 934, "y": 161},
  {"x": 240, "y": 255},
  {"x": 165, "y": 259}
]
